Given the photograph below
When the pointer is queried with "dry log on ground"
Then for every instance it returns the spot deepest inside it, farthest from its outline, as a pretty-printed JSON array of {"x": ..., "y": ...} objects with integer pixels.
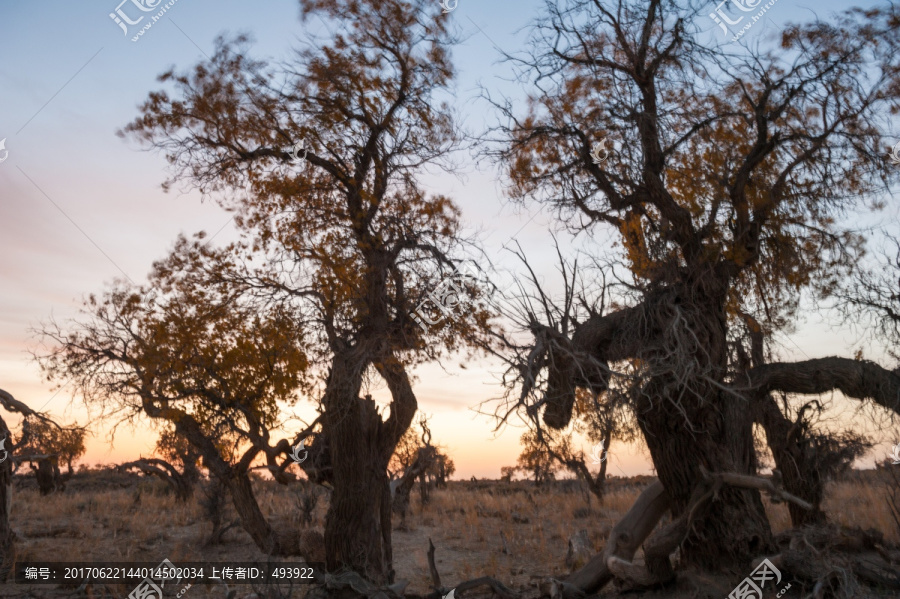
[
  {"x": 626, "y": 537},
  {"x": 836, "y": 559},
  {"x": 635, "y": 527},
  {"x": 439, "y": 592},
  {"x": 496, "y": 586}
]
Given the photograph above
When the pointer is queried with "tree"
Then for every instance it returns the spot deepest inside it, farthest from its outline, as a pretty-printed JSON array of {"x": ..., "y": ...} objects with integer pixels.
[
  {"x": 597, "y": 416},
  {"x": 594, "y": 420},
  {"x": 872, "y": 296},
  {"x": 534, "y": 460},
  {"x": 9, "y": 452},
  {"x": 66, "y": 445},
  {"x": 441, "y": 470},
  {"x": 805, "y": 457},
  {"x": 177, "y": 450},
  {"x": 178, "y": 466},
  {"x": 189, "y": 357},
  {"x": 45, "y": 446},
  {"x": 725, "y": 188},
  {"x": 415, "y": 458},
  {"x": 346, "y": 242}
]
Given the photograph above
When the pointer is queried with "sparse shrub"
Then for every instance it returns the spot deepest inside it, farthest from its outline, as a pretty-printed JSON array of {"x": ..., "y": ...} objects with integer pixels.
[{"x": 307, "y": 500}]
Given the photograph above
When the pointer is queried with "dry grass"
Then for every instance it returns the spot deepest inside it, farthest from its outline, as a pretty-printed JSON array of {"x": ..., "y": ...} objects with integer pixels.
[{"x": 467, "y": 523}]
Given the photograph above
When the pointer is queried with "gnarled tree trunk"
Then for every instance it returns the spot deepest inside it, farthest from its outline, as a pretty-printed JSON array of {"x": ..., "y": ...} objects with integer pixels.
[
  {"x": 358, "y": 521},
  {"x": 687, "y": 418}
]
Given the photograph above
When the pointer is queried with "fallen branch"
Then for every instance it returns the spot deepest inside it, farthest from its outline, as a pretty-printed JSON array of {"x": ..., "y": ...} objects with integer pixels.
[
  {"x": 747, "y": 481},
  {"x": 624, "y": 540},
  {"x": 435, "y": 577},
  {"x": 498, "y": 587}
]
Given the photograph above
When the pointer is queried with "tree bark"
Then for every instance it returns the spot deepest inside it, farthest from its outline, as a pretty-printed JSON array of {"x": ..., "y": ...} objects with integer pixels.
[
  {"x": 859, "y": 379},
  {"x": 358, "y": 521},
  {"x": 689, "y": 422},
  {"x": 624, "y": 540}
]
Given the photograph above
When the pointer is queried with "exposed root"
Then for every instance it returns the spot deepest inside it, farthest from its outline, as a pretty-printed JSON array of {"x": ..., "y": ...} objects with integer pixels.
[{"x": 835, "y": 561}]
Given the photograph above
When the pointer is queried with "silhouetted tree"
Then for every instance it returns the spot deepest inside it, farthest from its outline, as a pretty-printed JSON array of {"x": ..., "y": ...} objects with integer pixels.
[
  {"x": 345, "y": 244},
  {"x": 534, "y": 461},
  {"x": 10, "y": 453},
  {"x": 726, "y": 181}
]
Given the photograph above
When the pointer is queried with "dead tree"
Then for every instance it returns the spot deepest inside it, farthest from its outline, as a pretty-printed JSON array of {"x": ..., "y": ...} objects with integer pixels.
[
  {"x": 402, "y": 486},
  {"x": 424, "y": 480}
]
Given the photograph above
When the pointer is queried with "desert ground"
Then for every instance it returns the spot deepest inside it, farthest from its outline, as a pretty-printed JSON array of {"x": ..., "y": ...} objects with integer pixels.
[{"x": 514, "y": 532}]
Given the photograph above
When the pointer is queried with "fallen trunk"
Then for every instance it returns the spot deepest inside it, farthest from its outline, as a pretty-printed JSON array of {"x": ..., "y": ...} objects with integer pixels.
[{"x": 626, "y": 537}]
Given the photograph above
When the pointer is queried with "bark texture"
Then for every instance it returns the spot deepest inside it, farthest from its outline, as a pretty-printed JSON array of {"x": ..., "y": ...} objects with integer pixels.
[{"x": 859, "y": 379}]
